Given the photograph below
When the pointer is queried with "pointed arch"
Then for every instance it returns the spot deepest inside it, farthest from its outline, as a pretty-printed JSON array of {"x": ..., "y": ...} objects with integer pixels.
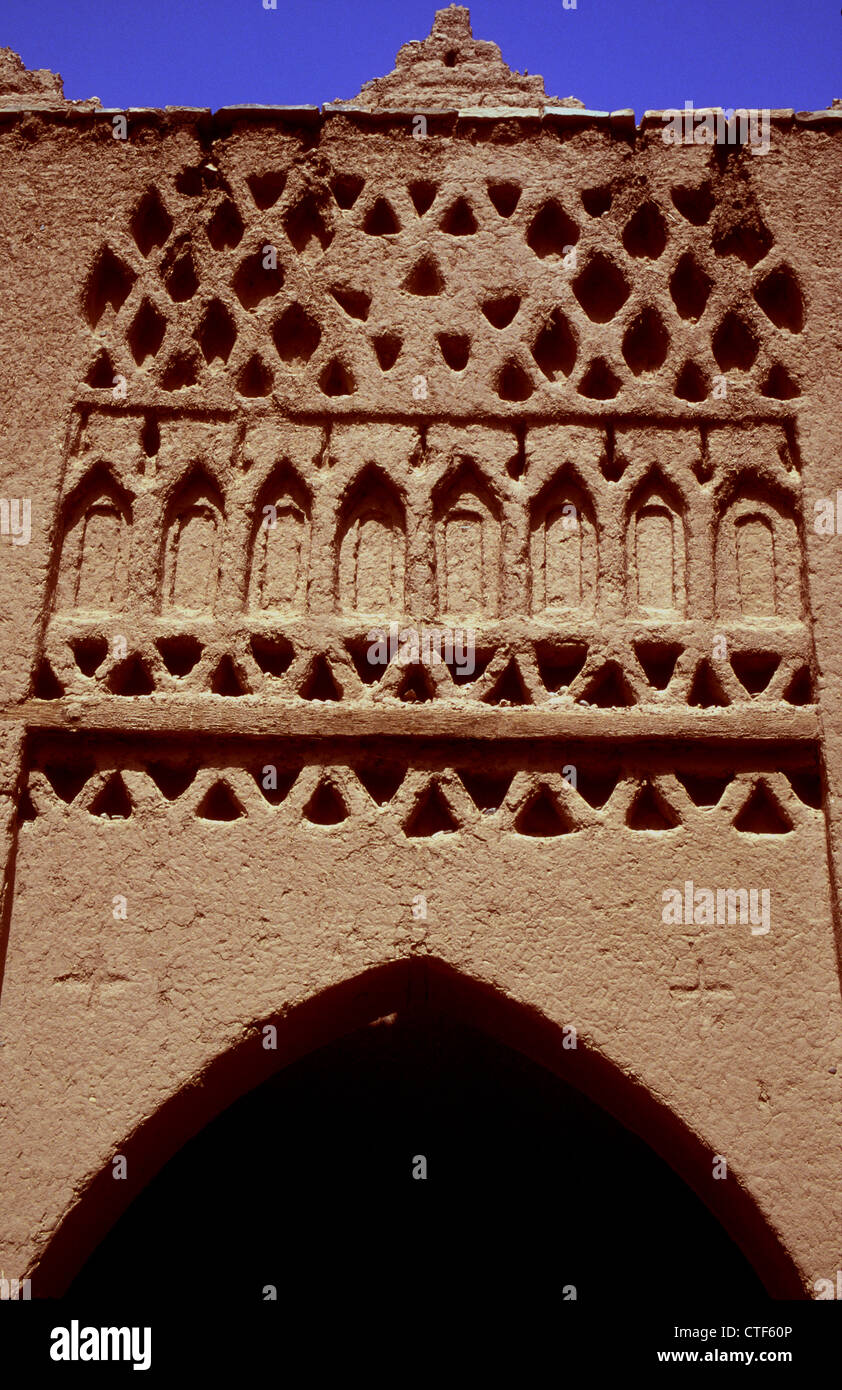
[
  {"x": 468, "y": 543},
  {"x": 371, "y": 546},
  {"x": 563, "y": 546},
  {"x": 656, "y": 548},
  {"x": 96, "y": 542},
  {"x": 192, "y": 544},
  {"x": 342, "y": 1008},
  {"x": 758, "y": 570},
  {"x": 279, "y": 549}
]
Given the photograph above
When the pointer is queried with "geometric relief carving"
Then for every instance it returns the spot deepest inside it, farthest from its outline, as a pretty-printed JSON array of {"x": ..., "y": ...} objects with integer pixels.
[
  {"x": 562, "y": 562},
  {"x": 377, "y": 562},
  {"x": 464, "y": 558},
  {"x": 428, "y": 801},
  {"x": 192, "y": 556},
  {"x": 280, "y": 548},
  {"x": 99, "y": 570},
  {"x": 563, "y": 548},
  {"x": 193, "y": 545},
  {"x": 372, "y": 549},
  {"x": 758, "y": 562},
  {"x": 279, "y": 558},
  {"x": 95, "y": 561},
  {"x": 468, "y": 549},
  {"x": 756, "y": 566},
  {"x": 611, "y": 251},
  {"x": 656, "y": 555}
]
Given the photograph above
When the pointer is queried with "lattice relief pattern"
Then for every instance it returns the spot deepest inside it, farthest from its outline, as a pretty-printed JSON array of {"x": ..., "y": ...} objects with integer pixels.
[
  {"x": 329, "y": 288},
  {"x": 717, "y": 793}
]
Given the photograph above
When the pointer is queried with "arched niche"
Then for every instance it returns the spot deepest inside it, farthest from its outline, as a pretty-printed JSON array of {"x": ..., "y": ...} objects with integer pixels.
[
  {"x": 468, "y": 545},
  {"x": 371, "y": 547},
  {"x": 656, "y": 550},
  {"x": 280, "y": 543},
  {"x": 193, "y": 546},
  {"x": 95, "y": 549},
  {"x": 563, "y": 550},
  {"x": 758, "y": 559}
]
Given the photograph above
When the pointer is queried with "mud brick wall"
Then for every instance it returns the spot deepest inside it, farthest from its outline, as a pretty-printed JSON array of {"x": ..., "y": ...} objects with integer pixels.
[{"x": 453, "y": 355}]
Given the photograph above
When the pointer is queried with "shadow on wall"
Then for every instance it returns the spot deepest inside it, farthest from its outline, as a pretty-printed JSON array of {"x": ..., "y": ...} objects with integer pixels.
[
  {"x": 312, "y": 1154},
  {"x": 306, "y": 1185}
]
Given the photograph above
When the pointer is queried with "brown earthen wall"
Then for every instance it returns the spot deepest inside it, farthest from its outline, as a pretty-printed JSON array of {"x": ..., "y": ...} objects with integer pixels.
[{"x": 458, "y": 338}]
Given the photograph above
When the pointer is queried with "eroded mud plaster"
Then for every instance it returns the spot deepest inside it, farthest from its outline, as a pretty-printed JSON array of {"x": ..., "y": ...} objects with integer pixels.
[{"x": 452, "y": 357}]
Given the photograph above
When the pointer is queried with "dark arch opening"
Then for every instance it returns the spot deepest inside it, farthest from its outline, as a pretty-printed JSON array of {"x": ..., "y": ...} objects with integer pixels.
[
  {"x": 307, "y": 1183},
  {"x": 298, "y": 1165}
]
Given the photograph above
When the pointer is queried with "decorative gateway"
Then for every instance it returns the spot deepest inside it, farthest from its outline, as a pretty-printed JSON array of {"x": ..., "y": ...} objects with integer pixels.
[{"x": 452, "y": 357}]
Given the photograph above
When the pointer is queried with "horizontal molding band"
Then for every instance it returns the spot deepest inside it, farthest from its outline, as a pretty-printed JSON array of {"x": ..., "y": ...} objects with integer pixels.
[
  {"x": 655, "y": 405},
  {"x": 220, "y": 715}
]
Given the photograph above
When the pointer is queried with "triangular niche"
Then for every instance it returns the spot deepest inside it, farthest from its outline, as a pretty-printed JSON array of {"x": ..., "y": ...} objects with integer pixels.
[
  {"x": 219, "y": 803},
  {"x": 112, "y": 801},
  {"x": 509, "y": 688},
  {"x": 542, "y": 817},
  {"x": 762, "y": 814},
  {"x": 325, "y": 806},
  {"x": 320, "y": 683},
  {"x": 430, "y": 815},
  {"x": 649, "y": 811}
]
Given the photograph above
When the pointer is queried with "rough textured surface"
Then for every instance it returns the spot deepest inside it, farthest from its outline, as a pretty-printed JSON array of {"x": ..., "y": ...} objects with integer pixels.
[
  {"x": 422, "y": 384},
  {"x": 37, "y": 89},
  {"x": 450, "y": 67}
]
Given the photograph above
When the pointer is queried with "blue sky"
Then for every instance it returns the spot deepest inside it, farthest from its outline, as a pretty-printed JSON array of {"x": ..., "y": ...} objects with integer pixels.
[{"x": 610, "y": 53}]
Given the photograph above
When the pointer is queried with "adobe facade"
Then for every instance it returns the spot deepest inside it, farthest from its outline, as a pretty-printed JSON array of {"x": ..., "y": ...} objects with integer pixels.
[{"x": 457, "y": 357}]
